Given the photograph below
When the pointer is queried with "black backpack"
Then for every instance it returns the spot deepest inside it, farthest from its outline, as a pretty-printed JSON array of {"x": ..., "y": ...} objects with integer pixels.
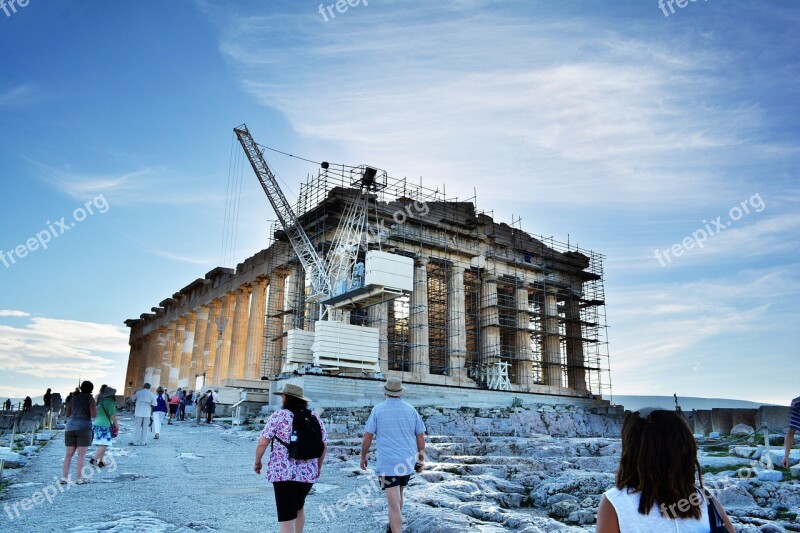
[{"x": 308, "y": 444}]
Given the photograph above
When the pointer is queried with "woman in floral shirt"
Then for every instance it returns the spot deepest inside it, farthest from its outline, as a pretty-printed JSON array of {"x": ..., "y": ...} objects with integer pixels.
[{"x": 291, "y": 478}]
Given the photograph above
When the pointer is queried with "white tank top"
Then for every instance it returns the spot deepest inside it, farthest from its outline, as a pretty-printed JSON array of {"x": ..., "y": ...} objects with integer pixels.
[{"x": 626, "y": 504}]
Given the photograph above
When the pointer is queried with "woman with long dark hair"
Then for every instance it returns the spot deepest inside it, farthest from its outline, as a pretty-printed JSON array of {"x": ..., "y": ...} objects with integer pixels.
[
  {"x": 291, "y": 478},
  {"x": 81, "y": 409},
  {"x": 659, "y": 485}
]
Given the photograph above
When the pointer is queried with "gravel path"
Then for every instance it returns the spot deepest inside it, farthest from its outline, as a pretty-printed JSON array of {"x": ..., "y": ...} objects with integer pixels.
[{"x": 195, "y": 478}]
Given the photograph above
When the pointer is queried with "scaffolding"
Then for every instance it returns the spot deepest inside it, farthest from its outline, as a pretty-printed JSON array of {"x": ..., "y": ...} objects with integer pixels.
[{"x": 486, "y": 294}]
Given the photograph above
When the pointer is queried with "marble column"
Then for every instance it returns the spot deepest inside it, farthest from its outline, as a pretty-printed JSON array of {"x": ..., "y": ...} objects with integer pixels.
[
  {"x": 523, "y": 349},
  {"x": 224, "y": 341},
  {"x": 378, "y": 317},
  {"x": 576, "y": 365},
  {"x": 134, "y": 356},
  {"x": 175, "y": 355},
  {"x": 456, "y": 325},
  {"x": 490, "y": 320},
  {"x": 274, "y": 322},
  {"x": 152, "y": 370},
  {"x": 239, "y": 338},
  {"x": 197, "y": 363},
  {"x": 418, "y": 321},
  {"x": 184, "y": 379},
  {"x": 166, "y": 355},
  {"x": 255, "y": 330},
  {"x": 552, "y": 350},
  {"x": 211, "y": 343}
]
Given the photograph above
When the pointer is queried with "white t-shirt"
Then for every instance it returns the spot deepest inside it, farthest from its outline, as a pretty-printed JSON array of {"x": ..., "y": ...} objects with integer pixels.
[
  {"x": 626, "y": 504},
  {"x": 145, "y": 401}
]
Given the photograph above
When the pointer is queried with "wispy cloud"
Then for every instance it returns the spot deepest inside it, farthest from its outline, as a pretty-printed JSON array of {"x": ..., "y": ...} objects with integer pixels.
[
  {"x": 182, "y": 258},
  {"x": 11, "y": 312},
  {"x": 681, "y": 316},
  {"x": 590, "y": 117},
  {"x": 147, "y": 185},
  {"x": 18, "y": 95}
]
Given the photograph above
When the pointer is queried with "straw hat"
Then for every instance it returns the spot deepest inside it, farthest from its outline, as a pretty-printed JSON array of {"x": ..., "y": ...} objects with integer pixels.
[
  {"x": 393, "y": 387},
  {"x": 295, "y": 391},
  {"x": 109, "y": 392}
]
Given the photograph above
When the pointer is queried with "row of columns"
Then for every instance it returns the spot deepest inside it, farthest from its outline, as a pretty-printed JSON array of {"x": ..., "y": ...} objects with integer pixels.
[
  {"x": 552, "y": 367},
  {"x": 223, "y": 339},
  {"x": 226, "y": 337}
]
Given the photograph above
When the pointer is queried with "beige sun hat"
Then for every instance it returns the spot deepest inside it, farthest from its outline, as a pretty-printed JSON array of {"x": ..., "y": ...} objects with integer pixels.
[
  {"x": 393, "y": 387},
  {"x": 295, "y": 391},
  {"x": 109, "y": 392}
]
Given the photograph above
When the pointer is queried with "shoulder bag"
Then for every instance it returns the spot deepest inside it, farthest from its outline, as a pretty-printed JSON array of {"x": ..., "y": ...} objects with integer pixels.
[{"x": 114, "y": 427}]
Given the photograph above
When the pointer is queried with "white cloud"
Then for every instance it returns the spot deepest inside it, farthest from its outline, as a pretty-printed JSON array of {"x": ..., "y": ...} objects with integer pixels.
[
  {"x": 587, "y": 117},
  {"x": 53, "y": 348},
  {"x": 10, "y": 312}
]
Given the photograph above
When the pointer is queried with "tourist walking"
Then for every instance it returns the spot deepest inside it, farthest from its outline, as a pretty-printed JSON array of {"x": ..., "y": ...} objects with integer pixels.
[
  {"x": 401, "y": 447},
  {"x": 78, "y": 431},
  {"x": 210, "y": 406},
  {"x": 186, "y": 405},
  {"x": 292, "y": 478},
  {"x": 174, "y": 404},
  {"x": 143, "y": 402},
  {"x": 8, "y": 404},
  {"x": 27, "y": 403},
  {"x": 106, "y": 419},
  {"x": 159, "y": 411},
  {"x": 794, "y": 426},
  {"x": 656, "y": 487},
  {"x": 48, "y": 398}
]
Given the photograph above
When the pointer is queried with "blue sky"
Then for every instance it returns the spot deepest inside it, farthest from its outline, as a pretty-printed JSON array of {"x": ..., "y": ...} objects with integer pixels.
[{"x": 611, "y": 124}]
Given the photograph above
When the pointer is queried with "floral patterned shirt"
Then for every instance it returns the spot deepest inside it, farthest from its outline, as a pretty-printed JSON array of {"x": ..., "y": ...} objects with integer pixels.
[{"x": 280, "y": 467}]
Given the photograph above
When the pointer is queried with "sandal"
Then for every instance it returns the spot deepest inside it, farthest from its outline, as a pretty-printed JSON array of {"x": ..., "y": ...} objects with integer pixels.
[
  {"x": 63, "y": 481},
  {"x": 82, "y": 481}
]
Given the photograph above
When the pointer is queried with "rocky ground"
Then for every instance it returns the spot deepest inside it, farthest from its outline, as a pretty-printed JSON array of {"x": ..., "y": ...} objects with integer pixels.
[{"x": 535, "y": 469}]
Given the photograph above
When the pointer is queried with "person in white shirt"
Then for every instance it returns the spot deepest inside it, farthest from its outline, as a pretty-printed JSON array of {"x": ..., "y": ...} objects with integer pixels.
[
  {"x": 659, "y": 485},
  {"x": 144, "y": 401}
]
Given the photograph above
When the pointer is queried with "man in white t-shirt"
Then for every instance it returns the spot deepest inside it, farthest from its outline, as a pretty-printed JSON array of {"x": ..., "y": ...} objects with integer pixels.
[{"x": 144, "y": 401}]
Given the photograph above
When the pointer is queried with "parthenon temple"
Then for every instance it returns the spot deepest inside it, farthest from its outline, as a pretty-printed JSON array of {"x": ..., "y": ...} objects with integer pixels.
[{"x": 491, "y": 307}]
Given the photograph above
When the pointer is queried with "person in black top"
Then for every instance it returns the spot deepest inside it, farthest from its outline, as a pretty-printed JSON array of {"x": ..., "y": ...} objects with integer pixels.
[
  {"x": 78, "y": 434},
  {"x": 27, "y": 403},
  {"x": 48, "y": 398}
]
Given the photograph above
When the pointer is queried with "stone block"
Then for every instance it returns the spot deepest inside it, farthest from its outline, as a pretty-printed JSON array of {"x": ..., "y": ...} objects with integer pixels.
[{"x": 770, "y": 475}]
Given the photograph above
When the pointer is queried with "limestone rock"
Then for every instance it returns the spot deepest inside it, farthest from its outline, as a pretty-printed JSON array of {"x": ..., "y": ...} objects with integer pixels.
[
  {"x": 770, "y": 475},
  {"x": 742, "y": 430}
]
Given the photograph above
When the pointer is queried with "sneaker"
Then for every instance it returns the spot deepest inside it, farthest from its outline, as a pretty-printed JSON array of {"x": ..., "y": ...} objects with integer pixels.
[
  {"x": 82, "y": 481},
  {"x": 63, "y": 481},
  {"x": 91, "y": 461},
  {"x": 156, "y": 437},
  {"x": 101, "y": 464}
]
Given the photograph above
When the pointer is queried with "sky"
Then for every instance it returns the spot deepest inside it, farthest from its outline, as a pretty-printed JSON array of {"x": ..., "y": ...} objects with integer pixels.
[{"x": 665, "y": 138}]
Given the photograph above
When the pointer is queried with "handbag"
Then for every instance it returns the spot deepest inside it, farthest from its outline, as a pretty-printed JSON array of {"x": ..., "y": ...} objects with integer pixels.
[
  {"x": 714, "y": 518},
  {"x": 114, "y": 427}
]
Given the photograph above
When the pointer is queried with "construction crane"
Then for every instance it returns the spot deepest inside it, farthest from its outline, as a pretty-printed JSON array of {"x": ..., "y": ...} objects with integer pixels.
[
  {"x": 313, "y": 264},
  {"x": 340, "y": 283}
]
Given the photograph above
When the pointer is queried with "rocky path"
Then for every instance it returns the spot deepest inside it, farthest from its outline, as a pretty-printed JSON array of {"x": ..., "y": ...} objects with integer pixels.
[{"x": 195, "y": 478}]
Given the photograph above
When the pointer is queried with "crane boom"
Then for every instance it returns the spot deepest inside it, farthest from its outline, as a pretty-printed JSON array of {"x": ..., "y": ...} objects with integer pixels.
[{"x": 313, "y": 264}]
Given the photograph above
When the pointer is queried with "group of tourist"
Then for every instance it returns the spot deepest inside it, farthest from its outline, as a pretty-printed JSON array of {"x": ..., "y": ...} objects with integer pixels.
[
  {"x": 658, "y": 488},
  {"x": 150, "y": 410},
  {"x": 90, "y": 420},
  {"x": 293, "y": 470}
]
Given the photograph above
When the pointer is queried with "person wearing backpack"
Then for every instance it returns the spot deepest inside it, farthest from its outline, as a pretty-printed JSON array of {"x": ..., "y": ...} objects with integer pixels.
[{"x": 299, "y": 444}]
